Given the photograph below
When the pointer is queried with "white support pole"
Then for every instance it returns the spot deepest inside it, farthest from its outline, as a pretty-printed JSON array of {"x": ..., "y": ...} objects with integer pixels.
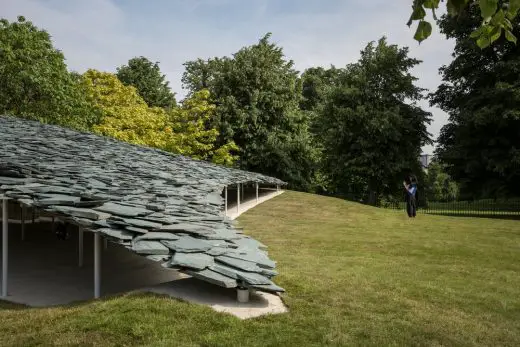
[
  {"x": 238, "y": 197},
  {"x": 97, "y": 265},
  {"x": 225, "y": 201},
  {"x": 277, "y": 188},
  {"x": 5, "y": 224},
  {"x": 256, "y": 186},
  {"x": 80, "y": 247},
  {"x": 23, "y": 213}
]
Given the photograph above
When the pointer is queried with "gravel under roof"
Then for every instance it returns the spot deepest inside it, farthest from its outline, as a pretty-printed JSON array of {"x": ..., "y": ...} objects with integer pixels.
[{"x": 165, "y": 207}]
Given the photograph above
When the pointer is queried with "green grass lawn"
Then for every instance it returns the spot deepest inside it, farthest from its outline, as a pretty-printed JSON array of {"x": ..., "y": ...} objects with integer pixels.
[{"x": 355, "y": 275}]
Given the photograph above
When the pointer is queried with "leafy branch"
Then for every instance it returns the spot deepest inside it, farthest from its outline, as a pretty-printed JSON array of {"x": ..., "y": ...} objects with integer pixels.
[{"x": 496, "y": 18}]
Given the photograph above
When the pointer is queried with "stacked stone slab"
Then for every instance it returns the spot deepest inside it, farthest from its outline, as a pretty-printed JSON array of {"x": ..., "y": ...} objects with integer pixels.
[{"x": 165, "y": 207}]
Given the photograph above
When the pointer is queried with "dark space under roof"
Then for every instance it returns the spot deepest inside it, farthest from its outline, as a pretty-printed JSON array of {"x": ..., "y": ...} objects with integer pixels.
[{"x": 165, "y": 207}]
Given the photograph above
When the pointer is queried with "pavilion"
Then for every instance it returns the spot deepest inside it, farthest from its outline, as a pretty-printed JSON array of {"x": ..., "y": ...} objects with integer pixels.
[{"x": 168, "y": 208}]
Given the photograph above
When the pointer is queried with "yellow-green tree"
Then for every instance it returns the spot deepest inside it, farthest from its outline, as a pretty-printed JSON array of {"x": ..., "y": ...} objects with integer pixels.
[
  {"x": 127, "y": 117},
  {"x": 192, "y": 137}
]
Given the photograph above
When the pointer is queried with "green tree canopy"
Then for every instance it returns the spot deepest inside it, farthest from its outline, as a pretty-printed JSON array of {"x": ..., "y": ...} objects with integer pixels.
[
  {"x": 127, "y": 117},
  {"x": 150, "y": 83},
  {"x": 34, "y": 80},
  {"x": 439, "y": 185},
  {"x": 257, "y": 93},
  {"x": 480, "y": 91},
  {"x": 371, "y": 128}
]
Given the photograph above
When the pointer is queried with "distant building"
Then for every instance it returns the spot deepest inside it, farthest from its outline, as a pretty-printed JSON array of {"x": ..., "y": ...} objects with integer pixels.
[{"x": 425, "y": 160}]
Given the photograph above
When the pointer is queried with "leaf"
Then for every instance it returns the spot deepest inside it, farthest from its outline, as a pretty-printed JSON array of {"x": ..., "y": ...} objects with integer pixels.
[
  {"x": 488, "y": 8},
  {"x": 498, "y": 19},
  {"x": 432, "y": 4},
  {"x": 476, "y": 33},
  {"x": 488, "y": 35},
  {"x": 417, "y": 14},
  {"x": 510, "y": 36},
  {"x": 507, "y": 24},
  {"x": 424, "y": 30},
  {"x": 495, "y": 34},
  {"x": 514, "y": 6},
  {"x": 483, "y": 41}
]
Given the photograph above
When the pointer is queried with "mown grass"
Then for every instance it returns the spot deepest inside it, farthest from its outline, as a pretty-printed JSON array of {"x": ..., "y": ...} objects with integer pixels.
[{"x": 355, "y": 275}]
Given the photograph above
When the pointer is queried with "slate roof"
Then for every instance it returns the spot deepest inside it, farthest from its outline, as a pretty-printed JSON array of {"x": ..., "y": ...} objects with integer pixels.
[{"x": 162, "y": 206}]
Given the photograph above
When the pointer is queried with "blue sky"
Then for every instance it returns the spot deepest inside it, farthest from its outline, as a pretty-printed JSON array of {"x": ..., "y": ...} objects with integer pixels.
[{"x": 104, "y": 34}]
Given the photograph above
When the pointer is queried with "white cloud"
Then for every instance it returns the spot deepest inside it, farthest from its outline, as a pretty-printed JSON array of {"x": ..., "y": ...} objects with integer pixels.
[{"x": 101, "y": 34}]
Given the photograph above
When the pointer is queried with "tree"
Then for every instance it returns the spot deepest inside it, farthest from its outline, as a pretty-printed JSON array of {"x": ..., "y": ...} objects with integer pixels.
[
  {"x": 496, "y": 18},
  {"x": 151, "y": 85},
  {"x": 371, "y": 128},
  {"x": 480, "y": 91},
  {"x": 257, "y": 93},
  {"x": 34, "y": 80},
  {"x": 127, "y": 117},
  {"x": 439, "y": 185},
  {"x": 192, "y": 138}
]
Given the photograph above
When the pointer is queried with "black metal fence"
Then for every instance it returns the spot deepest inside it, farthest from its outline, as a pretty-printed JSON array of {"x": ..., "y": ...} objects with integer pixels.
[{"x": 503, "y": 208}]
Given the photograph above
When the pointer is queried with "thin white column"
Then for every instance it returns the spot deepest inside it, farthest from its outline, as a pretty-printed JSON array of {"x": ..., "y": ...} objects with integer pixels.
[
  {"x": 97, "y": 265},
  {"x": 23, "y": 213},
  {"x": 5, "y": 224},
  {"x": 225, "y": 201},
  {"x": 256, "y": 186},
  {"x": 238, "y": 197},
  {"x": 80, "y": 247}
]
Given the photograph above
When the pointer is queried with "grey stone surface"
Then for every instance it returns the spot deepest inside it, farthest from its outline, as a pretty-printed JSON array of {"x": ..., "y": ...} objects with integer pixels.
[
  {"x": 122, "y": 210},
  {"x": 196, "y": 261},
  {"x": 57, "y": 199},
  {"x": 271, "y": 288},
  {"x": 187, "y": 228},
  {"x": 215, "y": 251},
  {"x": 136, "y": 230},
  {"x": 249, "y": 243},
  {"x": 187, "y": 244},
  {"x": 142, "y": 223},
  {"x": 118, "y": 234},
  {"x": 80, "y": 212},
  {"x": 141, "y": 198},
  {"x": 213, "y": 277},
  {"x": 238, "y": 263},
  {"x": 247, "y": 277},
  {"x": 254, "y": 256},
  {"x": 153, "y": 235},
  {"x": 149, "y": 247}
]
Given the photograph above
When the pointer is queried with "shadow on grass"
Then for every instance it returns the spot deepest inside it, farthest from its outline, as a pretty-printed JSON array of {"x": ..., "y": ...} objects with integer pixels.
[{"x": 8, "y": 305}]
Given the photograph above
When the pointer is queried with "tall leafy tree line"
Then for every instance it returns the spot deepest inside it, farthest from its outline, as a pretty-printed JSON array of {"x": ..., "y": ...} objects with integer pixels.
[
  {"x": 352, "y": 130},
  {"x": 344, "y": 130},
  {"x": 480, "y": 146}
]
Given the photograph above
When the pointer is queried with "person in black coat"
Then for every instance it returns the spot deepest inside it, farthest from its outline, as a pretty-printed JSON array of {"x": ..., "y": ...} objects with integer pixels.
[{"x": 411, "y": 195}]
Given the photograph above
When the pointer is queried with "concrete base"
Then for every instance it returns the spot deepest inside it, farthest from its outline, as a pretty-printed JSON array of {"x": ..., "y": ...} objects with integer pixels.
[
  {"x": 221, "y": 299},
  {"x": 43, "y": 271}
]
